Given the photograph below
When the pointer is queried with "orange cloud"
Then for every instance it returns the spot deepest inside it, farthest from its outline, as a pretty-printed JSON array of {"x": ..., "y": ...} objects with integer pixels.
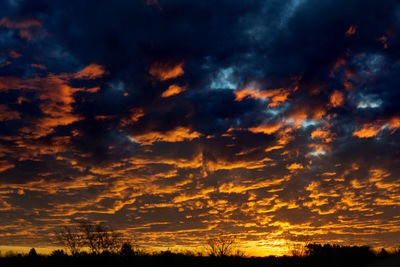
[
  {"x": 294, "y": 166},
  {"x": 173, "y": 89},
  {"x": 277, "y": 96},
  {"x": 318, "y": 149},
  {"x": 5, "y": 165},
  {"x": 228, "y": 165},
  {"x": 323, "y": 134},
  {"x": 383, "y": 39},
  {"x": 266, "y": 128},
  {"x": 6, "y": 114},
  {"x": 276, "y": 100},
  {"x": 92, "y": 71},
  {"x": 347, "y": 78},
  {"x": 19, "y": 24},
  {"x": 26, "y": 27},
  {"x": 165, "y": 72},
  {"x": 38, "y": 66},
  {"x": 203, "y": 194},
  {"x": 244, "y": 187},
  {"x": 373, "y": 128},
  {"x": 176, "y": 135},
  {"x": 151, "y": 2},
  {"x": 14, "y": 54},
  {"x": 338, "y": 64},
  {"x": 5, "y": 63},
  {"x": 351, "y": 30},
  {"x": 394, "y": 123},
  {"x": 336, "y": 99},
  {"x": 368, "y": 130},
  {"x": 134, "y": 116},
  {"x": 56, "y": 95},
  {"x": 271, "y": 148}
]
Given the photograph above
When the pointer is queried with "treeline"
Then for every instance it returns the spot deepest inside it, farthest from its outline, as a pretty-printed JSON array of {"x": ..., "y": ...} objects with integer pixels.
[
  {"x": 315, "y": 255},
  {"x": 91, "y": 244}
]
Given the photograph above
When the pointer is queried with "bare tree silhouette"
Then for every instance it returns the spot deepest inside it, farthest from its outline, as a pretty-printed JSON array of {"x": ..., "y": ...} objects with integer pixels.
[
  {"x": 222, "y": 246},
  {"x": 70, "y": 238},
  {"x": 97, "y": 237}
]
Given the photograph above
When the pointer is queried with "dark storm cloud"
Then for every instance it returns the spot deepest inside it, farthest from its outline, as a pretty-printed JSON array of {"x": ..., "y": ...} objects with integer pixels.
[{"x": 177, "y": 117}]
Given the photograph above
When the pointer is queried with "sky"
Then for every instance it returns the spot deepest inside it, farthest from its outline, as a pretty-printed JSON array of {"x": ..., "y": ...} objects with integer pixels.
[{"x": 175, "y": 121}]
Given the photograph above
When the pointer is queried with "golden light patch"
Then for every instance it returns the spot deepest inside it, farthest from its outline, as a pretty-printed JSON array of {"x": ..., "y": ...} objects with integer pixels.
[
  {"x": 271, "y": 148},
  {"x": 173, "y": 89},
  {"x": 294, "y": 166},
  {"x": 165, "y": 72},
  {"x": 329, "y": 173}
]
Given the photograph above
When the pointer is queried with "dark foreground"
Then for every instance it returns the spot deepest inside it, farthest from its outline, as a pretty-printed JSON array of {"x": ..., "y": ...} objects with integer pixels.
[{"x": 176, "y": 260}]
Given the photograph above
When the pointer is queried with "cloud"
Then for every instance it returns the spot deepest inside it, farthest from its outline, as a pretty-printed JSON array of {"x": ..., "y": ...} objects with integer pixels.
[
  {"x": 336, "y": 99},
  {"x": 173, "y": 89},
  {"x": 177, "y": 135},
  {"x": 92, "y": 71},
  {"x": 15, "y": 23},
  {"x": 164, "y": 71}
]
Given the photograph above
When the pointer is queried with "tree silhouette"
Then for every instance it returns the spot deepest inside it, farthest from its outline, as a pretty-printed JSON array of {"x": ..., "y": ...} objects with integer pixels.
[
  {"x": 95, "y": 236},
  {"x": 71, "y": 239},
  {"x": 222, "y": 246},
  {"x": 99, "y": 238},
  {"x": 32, "y": 253}
]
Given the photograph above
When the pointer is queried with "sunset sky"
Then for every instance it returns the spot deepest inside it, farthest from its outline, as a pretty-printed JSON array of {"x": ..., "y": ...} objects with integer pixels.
[{"x": 173, "y": 121}]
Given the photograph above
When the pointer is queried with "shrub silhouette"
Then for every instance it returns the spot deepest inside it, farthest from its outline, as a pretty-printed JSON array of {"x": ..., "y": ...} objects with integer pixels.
[
  {"x": 126, "y": 250},
  {"x": 58, "y": 253},
  {"x": 340, "y": 255}
]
